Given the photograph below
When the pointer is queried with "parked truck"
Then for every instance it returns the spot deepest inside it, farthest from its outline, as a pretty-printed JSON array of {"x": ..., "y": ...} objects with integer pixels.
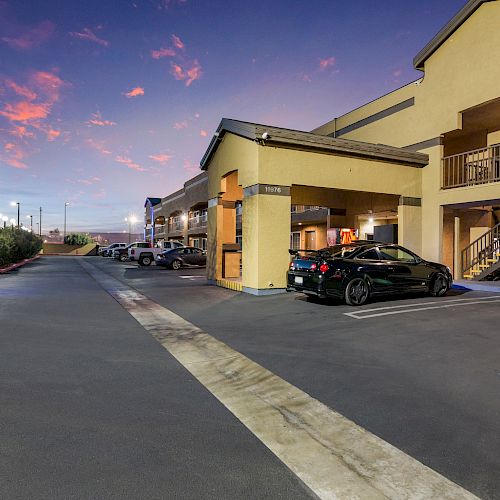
[{"x": 146, "y": 256}]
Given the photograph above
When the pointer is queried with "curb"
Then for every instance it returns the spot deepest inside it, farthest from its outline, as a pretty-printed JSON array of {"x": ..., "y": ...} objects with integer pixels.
[
  {"x": 476, "y": 286},
  {"x": 4, "y": 270}
]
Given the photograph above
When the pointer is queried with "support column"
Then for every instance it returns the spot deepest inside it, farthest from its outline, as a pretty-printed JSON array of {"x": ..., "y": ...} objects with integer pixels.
[
  {"x": 457, "y": 257},
  {"x": 214, "y": 239},
  {"x": 266, "y": 224},
  {"x": 410, "y": 224}
]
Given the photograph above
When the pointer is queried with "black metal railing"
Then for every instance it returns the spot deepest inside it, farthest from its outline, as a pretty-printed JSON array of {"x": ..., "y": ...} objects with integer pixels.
[{"x": 481, "y": 253}]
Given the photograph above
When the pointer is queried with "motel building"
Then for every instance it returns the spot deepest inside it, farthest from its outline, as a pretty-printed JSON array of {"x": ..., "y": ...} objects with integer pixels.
[{"x": 419, "y": 166}]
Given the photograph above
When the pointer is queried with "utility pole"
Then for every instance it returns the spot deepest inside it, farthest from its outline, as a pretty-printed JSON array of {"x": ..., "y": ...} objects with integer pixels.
[
  {"x": 40, "y": 228},
  {"x": 64, "y": 234}
]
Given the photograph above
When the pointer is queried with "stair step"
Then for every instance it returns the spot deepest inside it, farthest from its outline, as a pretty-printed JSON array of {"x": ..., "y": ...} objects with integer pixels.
[
  {"x": 493, "y": 261},
  {"x": 484, "y": 266},
  {"x": 468, "y": 276},
  {"x": 476, "y": 271}
]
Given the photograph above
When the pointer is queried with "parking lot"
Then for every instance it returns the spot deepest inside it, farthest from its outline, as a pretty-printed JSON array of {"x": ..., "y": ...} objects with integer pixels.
[{"x": 420, "y": 372}]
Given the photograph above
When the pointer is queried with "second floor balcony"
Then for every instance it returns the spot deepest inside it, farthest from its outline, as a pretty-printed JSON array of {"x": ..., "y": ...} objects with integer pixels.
[
  {"x": 197, "y": 222},
  {"x": 472, "y": 168}
]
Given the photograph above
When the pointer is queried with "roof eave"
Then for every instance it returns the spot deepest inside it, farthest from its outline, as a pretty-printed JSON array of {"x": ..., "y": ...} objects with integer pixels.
[{"x": 455, "y": 23}]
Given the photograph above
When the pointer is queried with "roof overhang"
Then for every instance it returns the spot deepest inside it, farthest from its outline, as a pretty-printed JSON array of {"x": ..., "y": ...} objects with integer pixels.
[
  {"x": 469, "y": 8},
  {"x": 296, "y": 139}
]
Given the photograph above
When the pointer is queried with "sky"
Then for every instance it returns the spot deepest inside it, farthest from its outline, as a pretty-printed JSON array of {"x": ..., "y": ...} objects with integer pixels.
[{"x": 106, "y": 102}]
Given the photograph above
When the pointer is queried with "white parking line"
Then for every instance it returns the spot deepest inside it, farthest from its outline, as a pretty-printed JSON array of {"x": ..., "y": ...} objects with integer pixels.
[
  {"x": 333, "y": 456},
  {"x": 422, "y": 306},
  {"x": 192, "y": 277}
]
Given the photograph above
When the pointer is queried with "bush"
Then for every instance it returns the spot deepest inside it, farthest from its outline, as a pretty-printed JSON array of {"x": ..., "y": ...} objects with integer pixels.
[
  {"x": 16, "y": 245},
  {"x": 78, "y": 239}
]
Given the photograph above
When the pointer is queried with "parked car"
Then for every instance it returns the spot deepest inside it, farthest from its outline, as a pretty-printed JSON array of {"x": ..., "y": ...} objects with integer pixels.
[
  {"x": 146, "y": 256},
  {"x": 357, "y": 271},
  {"x": 122, "y": 254},
  {"x": 107, "y": 251},
  {"x": 182, "y": 257}
]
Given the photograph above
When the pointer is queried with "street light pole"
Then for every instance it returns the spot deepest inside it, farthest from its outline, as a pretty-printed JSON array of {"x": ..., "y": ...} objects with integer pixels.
[
  {"x": 65, "y": 206},
  {"x": 14, "y": 203},
  {"x": 40, "y": 226},
  {"x": 31, "y": 222}
]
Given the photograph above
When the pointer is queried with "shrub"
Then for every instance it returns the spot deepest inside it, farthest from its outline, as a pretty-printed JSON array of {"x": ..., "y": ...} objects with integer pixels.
[
  {"x": 16, "y": 245},
  {"x": 78, "y": 239}
]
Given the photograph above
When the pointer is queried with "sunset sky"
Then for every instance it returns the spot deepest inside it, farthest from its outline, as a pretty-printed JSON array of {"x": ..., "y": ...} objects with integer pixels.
[{"x": 105, "y": 102}]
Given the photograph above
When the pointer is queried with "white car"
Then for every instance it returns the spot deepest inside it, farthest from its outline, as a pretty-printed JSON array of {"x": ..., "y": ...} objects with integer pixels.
[
  {"x": 108, "y": 251},
  {"x": 146, "y": 256}
]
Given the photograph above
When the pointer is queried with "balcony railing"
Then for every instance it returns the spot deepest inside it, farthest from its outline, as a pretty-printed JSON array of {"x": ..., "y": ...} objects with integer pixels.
[
  {"x": 196, "y": 222},
  {"x": 175, "y": 226},
  {"x": 298, "y": 209},
  {"x": 473, "y": 168}
]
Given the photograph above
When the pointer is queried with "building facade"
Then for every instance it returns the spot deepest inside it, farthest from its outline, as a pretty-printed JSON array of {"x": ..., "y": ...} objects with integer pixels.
[{"x": 424, "y": 160}]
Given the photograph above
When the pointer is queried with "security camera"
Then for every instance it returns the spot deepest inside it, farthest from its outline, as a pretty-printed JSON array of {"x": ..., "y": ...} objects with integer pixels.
[{"x": 265, "y": 135}]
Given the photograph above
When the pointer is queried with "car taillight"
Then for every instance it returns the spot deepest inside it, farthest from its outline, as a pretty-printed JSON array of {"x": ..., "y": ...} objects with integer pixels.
[
  {"x": 324, "y": 268},
  {"x": 291, "y": 265},
  {"x": 313, "y": 267}
]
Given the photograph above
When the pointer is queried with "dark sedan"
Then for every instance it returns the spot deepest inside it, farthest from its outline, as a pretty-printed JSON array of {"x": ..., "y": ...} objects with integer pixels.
[
  {"x": 354, "y": 272},
  {"x": 182, "y": 257}
]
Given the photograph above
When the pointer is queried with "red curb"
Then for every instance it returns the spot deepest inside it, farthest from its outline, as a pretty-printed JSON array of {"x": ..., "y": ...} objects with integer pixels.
[{"x": 4, "y": 270}]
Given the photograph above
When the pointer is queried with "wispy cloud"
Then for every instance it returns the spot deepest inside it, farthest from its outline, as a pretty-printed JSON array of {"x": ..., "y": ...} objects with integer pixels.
[
  {"x": 89, "y": 181},
  {"x": 161, "y": 158},
  {"x": 25, "y": 111},
  {"x": 188, "y": 72},
  {"x": 130, "y": 163},
  {"x": 180, "y": 125},
  {"x": 20, "y": 90},
  {"x": 14, "y": 155},
  {"x": 178, "y": 43},
  {"x": 191, "y": 167},
  {"x": 163, "y": 52},
  {"x": 203, "y": 133},
  {"x": 98, "y": 146},
  {"x": 26, "y": 38},
  {"x": 326, "y": 63},
  {"x": 89, "y": 35},
  {"x": 136, "y": 91},
  {"x": 99, "y": 121}
]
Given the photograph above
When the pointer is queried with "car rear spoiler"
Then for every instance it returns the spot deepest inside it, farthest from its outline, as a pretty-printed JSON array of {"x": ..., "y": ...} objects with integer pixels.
[{"x": 321, "y": 253}]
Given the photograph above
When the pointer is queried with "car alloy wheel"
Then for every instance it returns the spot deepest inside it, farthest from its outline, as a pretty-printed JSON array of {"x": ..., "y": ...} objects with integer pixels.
[
  {"x": 439, "y": 285},
  {"x": 176, "y": 265},
  {"x": 145, "y": 261},
  {"x": 357, "y": 292}
]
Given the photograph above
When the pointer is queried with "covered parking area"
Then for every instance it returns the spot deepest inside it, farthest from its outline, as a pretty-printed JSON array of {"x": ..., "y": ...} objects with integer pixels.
[{"x": 267, "y": 169}]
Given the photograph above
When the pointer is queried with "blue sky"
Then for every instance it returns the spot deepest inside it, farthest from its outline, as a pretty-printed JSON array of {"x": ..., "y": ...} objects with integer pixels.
[{"x": 103, "y": 103}]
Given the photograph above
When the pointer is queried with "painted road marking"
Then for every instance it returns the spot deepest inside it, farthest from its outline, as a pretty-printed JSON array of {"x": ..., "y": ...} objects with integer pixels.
[
  {"x": 192, "y": 277},
  {"x": 333, "y": 456},
  {"x": 422, "y": 306}
]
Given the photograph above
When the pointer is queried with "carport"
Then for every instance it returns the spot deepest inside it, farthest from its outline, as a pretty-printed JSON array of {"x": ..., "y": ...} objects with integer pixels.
[{"x": 268, "y": 168}]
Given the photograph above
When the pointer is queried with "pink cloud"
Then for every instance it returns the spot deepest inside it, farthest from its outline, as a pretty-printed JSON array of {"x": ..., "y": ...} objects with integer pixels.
[
  {"x": 161, "y": 158},
  {"x": 178, "y": 42},
  {"x": 203, "y": 133},
  {"x": 15, "y": 156},
  {"x": 90, "y": 36},
  {"x": 97, "y": 120},
  {"x": 89, "y": 181},
  {"x": 180, "y": 125},
  {"x": 98, "y": 146},
  {"x": 20, "y": 90},
  {"x": 52, "y": 134},
  {"x": 20, "y": 131},
  {"x": 397, "y": 73},
  {"x": 136, "y": 91},
  {"x": 326, "y": 63},
  {"x": 306, "y": 78},
  {"x": 25, "y": 111},
  {"x": 130, "y": 164},
  {"x": 29, "y": 38},
  {"x": 162, "y": 52},
  {"x": 187, "y": 74},
  {"x": 49, "y": 84}
]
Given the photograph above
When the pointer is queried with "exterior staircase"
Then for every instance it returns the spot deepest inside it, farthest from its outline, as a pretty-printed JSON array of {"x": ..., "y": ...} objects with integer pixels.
[{"x": 482, "y": 257}]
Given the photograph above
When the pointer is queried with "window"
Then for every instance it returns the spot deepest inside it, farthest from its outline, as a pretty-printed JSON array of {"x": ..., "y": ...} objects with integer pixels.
[
  {"x": 239, "y": 239},
  {"x": 204, "y": 215},
  {"x": 186, "y": 250},
  {"x": 197, "y": 251},
  {"x": 195, "y": 242},
  {"x": 396, "y": 253},
  {"x": 295, "y": 240},
  {"x": 371, "y": 254},
  {"x": 204, "y": 244}
]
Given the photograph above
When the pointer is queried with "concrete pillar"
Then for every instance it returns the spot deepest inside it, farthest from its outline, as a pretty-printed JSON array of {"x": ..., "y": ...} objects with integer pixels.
[
  {"x": 457, "y": 255},
  {"x": 410, "y": 224},
  {"x": 266, "y": 224}
]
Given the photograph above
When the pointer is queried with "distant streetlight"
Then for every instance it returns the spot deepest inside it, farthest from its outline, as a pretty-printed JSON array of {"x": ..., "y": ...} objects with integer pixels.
[
  {"x": 65, "y": 207},
  {"x": 31, "y": 221},
  {"x": 13, "y": 204},
  {"x": 131, "y": 220}
]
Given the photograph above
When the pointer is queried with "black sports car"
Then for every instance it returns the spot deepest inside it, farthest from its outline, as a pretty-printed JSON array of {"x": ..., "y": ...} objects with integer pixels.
[{"x": 356, "y": 271}]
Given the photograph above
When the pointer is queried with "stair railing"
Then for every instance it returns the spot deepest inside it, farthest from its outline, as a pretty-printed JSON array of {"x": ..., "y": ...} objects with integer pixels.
[{"x": 479, "y": 251}]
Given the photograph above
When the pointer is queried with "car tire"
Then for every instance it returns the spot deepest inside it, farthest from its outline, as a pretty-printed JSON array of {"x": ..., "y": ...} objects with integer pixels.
[
  {"x": 145, "y": 261},
  {"x": 176, "y": 264},
  {"x": 357, "y": 292},
  {"x": 123, "y": 258},
  {"x": 439, "y": 285}
]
